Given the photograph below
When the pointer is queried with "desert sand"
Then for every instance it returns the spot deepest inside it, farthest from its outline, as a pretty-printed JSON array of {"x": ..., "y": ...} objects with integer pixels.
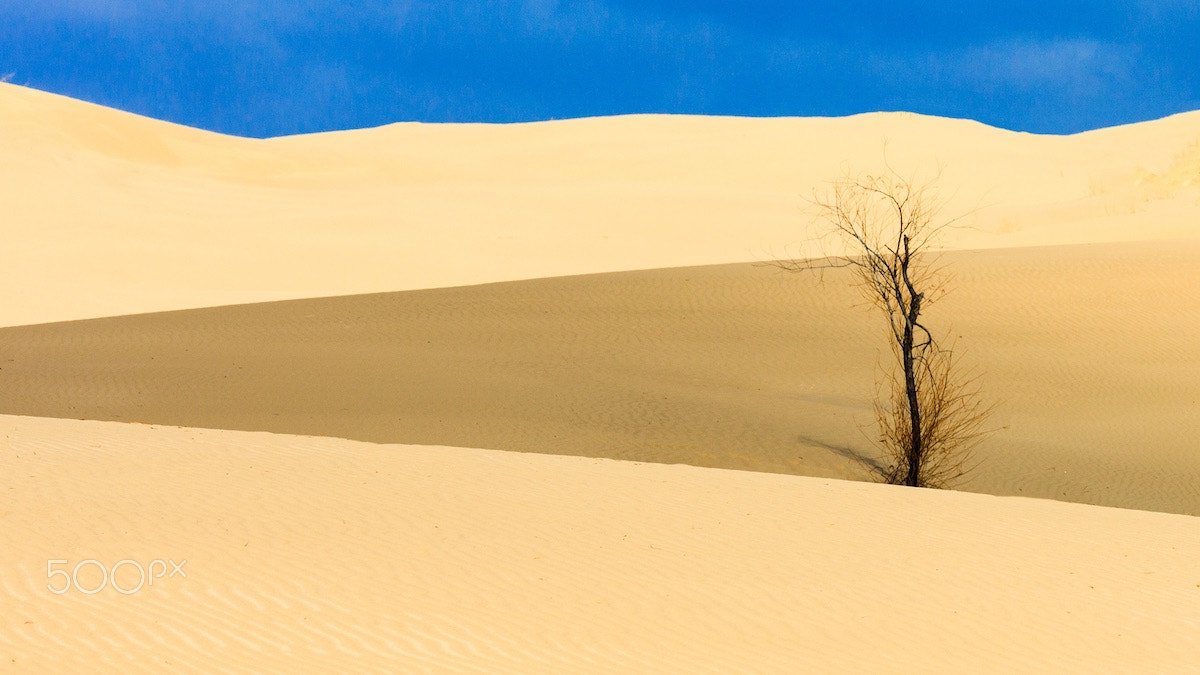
[
  {"x": 582, "y": 292},
  {"x": 1089, "y": 354},
  {"x": 107, "y": 213},
  {"x": 320, "y": 554}
]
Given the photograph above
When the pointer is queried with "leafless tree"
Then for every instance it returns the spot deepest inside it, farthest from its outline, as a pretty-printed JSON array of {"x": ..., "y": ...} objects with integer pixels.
[{"x": 929, "y": 412}]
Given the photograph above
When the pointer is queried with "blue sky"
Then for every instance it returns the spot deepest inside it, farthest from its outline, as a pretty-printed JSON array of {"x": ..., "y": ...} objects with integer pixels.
[{"x": 270, "y": 67}]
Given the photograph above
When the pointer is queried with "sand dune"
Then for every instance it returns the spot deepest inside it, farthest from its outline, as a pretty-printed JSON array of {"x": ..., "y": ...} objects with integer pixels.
[
  {"x": 1088, "y": 352},
  {"x": 107, "y": 213},
  {"x": 309, "y": 552},
  {"x": 319, "y": 554}
]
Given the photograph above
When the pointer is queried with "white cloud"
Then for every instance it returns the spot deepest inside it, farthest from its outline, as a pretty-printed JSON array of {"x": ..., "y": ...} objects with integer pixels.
[{"x": 1083, "y": 64}]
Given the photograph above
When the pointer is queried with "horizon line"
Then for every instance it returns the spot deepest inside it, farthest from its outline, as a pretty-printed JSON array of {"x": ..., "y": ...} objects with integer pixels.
[{"x": 553, "y": 120}]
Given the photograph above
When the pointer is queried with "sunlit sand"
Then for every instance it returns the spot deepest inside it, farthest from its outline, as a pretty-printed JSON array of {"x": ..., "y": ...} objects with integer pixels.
[{"x": 565, "y": 295}]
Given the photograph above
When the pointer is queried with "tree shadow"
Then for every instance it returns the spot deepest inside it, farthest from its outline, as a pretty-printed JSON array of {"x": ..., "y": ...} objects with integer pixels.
[{"x": 871, "y": 464}]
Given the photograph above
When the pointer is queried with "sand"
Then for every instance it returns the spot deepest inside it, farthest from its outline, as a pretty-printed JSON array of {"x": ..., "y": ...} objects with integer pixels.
[
  {"x": 319, "y": 554},
  {"x": 580, "y": 291},
  {"x": 1088, "y": 354},
  {"x": 107, "y": 213}
]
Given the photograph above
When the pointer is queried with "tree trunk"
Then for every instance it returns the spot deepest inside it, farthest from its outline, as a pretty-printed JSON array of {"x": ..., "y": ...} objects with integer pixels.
[
  {"x": 914, "y": 411},
  {"x": 915, "y": 449}
]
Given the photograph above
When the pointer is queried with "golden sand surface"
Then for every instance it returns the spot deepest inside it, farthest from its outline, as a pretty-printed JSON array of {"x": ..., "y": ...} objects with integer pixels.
[
  {"x": 275, "y": 346},
  {"x": 308, "y": 554},
  {"x": 107, "y": 213},
  {"x": 1089, "y": 354}
]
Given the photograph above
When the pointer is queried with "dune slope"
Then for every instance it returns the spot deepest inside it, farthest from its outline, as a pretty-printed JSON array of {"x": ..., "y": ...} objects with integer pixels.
[
  {"x": 1089, "y": 354},
  {"x": 323, "y": 554},
  {"x": 107, "y": 213}
]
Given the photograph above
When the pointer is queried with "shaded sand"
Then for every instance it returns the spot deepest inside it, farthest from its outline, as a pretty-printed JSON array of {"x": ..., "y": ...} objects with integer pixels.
[
  {"x": 108, "y": 213},
  {"x": 329, "y": 555},
  {"x": 1089, "y": 352}
]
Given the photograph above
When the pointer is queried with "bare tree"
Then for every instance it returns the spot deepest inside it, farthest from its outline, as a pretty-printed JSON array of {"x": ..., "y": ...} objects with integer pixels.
[{"x": 931, "y": 416}]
